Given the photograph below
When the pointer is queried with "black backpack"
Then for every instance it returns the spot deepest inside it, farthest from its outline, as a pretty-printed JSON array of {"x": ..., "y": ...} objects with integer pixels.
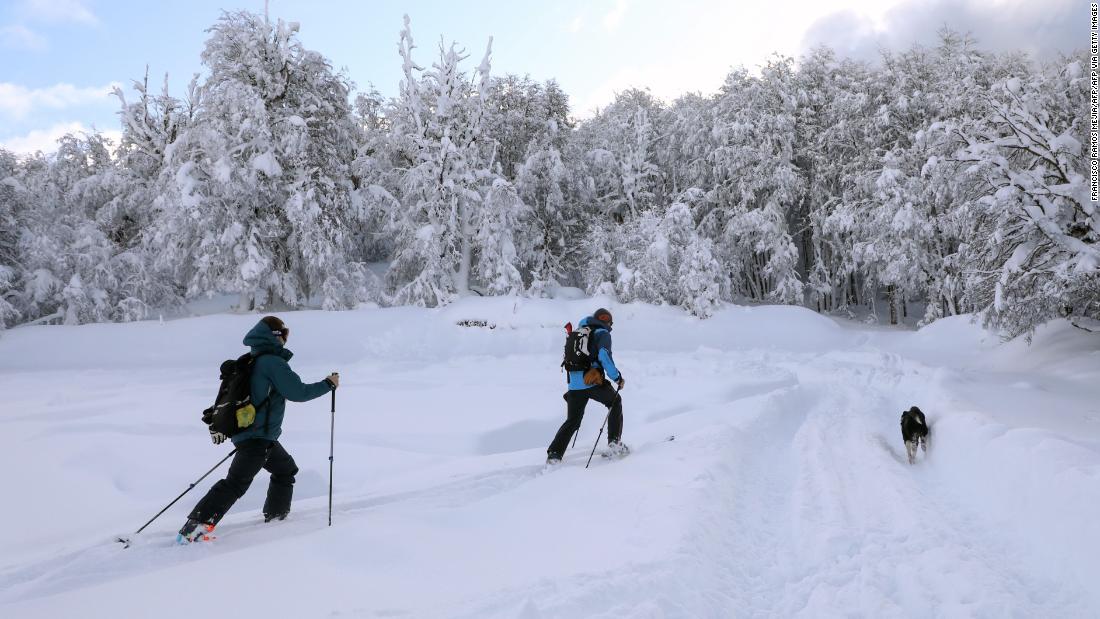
[
  {"x": 233, "y": 410},
  {"x": 578, "y": 349}
]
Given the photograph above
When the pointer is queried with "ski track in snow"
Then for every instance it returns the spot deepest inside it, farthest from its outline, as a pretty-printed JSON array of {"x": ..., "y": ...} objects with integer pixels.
[
  {"x": 785, "y": 494},
  {"x": 787, "y": 530}
]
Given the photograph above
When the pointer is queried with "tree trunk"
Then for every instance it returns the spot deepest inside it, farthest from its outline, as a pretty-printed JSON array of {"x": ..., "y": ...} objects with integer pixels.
[
  {"x": 247, "y": 302},
  {"x": 891, "y": 295}
]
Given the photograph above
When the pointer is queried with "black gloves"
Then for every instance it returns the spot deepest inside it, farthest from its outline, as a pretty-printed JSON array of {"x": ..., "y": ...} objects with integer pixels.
[
  {"x": 217, "y": 437},
  {"x": 621, "y": 381},
  {"x": 208, "y": 418}
]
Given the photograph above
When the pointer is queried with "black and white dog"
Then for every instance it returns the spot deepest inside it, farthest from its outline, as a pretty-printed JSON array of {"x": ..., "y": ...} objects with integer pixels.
[{"x": 914, "y": 430}]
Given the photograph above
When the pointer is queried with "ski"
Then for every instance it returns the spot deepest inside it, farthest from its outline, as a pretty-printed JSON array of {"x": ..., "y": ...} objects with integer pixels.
[{"x": 606, "y": 455}]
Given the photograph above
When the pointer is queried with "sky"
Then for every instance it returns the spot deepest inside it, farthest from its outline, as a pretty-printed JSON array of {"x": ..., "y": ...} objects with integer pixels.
[{"x": 60, "y": 59}]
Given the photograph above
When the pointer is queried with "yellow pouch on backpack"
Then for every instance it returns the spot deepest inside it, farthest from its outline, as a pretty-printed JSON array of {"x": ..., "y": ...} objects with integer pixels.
[{"x": 245, "y": 416}]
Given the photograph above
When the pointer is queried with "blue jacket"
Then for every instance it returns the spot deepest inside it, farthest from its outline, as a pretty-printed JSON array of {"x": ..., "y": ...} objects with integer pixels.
[
  {"x": 271, "y": 374},
  {"x": 602, "y": 334}
]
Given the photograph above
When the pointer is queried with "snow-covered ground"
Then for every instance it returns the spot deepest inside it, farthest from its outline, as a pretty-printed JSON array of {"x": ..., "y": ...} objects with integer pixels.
[{"x": 785, "y": 492}]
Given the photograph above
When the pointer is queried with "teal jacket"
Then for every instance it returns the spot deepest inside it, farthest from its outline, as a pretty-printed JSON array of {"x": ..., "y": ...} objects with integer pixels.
[{"x": 271, "y": 375}]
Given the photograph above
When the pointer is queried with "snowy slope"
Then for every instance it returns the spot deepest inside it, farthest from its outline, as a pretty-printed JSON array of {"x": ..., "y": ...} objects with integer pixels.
[{"x": 785, "y": 492}]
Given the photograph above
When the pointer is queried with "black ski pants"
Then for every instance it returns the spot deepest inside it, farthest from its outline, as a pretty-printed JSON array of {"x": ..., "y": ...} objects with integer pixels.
[
  {"x": 576, "y": 401},
  {"x": 252, "y": 455}
]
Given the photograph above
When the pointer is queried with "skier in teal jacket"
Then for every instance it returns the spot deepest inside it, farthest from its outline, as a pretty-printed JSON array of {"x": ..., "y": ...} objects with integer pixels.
[{"x": 273, "y": 383}]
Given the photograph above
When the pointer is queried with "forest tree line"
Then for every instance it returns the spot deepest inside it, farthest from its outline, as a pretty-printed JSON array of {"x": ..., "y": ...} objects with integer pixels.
[{"x": 945, "y": 177}]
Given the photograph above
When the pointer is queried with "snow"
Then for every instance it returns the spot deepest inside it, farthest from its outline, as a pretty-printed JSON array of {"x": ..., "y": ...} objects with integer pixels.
[
  {"x": 268, "y": 164},
  {"x": 1066, "y": 143},
  {"x": 785, "y": 492}
]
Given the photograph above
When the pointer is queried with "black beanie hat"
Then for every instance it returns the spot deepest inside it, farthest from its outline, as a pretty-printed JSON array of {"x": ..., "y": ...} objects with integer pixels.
[
  {"x": 277, "y": 326},
  {"x": 602, "y": 315}
]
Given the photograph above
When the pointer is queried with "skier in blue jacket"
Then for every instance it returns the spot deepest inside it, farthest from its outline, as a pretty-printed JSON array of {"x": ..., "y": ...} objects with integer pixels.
[
  {"x": 596, "y": 387},
  {"x": 273, "y": 383}
]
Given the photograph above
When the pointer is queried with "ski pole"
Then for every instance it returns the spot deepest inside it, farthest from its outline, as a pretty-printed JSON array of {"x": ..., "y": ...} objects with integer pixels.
[
  {"x": 331, "y": 444},
  {"x": 189, "y": 489},
  {"x": 600, "y": 435}
]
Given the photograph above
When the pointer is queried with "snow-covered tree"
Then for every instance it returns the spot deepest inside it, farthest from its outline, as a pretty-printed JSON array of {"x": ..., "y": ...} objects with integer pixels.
[
  {"x": 620, "y": 154},
  {"x": 757, "y": 183},
  {"x": 12, "y": 195},
  {"x": 687, "y": 145},
  {"x": 519, "y": 112},
  {"x": 149, "y": 126},
  {"x": 554, "y": 226},
  {"x": 260, "y": 191},
  {"x": 663, "y": 259},
  {"x": 1034, "y": 248},
  {"x": 945, "y": 176},
  {"x": 70, "y": 271},
  {"x": 444, "y": 239},
  {"x": 500, "y": 222}
]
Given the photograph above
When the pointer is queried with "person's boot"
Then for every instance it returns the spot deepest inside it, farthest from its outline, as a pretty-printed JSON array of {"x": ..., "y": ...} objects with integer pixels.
[
  {"x": 553, "y": 458},
  {"x": 616, "y": 449},
  {"x": 279, "y": 516},
  {"x": 195, "y": 531}
]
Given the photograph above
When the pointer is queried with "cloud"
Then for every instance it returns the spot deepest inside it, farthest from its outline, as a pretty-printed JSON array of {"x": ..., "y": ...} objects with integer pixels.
[
  {"x": 17, "y": 101},
  {"x": 614, "y": 19},
  {"x": 55, "y": 11},
  {"x": 577, "y": 23},
  {"x": 664, "y": 80},
  {"x": 1042, "y": 29},
  {"x": 45, "y": 140},
  {"x": 18, "y": 36}
]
